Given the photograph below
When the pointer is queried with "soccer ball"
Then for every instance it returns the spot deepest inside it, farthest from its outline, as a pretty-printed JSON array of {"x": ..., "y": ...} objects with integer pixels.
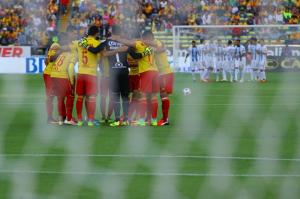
[{"x": 187, "y": 91}]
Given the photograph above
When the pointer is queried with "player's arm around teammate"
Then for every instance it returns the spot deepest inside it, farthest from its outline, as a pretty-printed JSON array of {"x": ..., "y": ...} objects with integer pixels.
[
  {"x": 149, "y": 82},
  {"x": 87, "y": 83}
]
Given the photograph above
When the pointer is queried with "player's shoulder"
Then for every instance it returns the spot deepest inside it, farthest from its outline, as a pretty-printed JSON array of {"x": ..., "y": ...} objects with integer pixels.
[
  {"x": 54, "y": 46},
  {"x": 139, "y": 43},
  {"x": 93, "y": 40}
]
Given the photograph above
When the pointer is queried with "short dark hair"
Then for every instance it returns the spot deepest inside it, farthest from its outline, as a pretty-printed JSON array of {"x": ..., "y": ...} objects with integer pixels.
[
  {"x": 115, "y": 29},
  {"x": 229, "y": 42},
  {"x": 93, "y": 30}
]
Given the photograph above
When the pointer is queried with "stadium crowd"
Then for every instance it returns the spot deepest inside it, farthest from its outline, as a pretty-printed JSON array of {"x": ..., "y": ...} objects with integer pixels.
[
  {"x": 27, "y": 23},
  {"x": 161, "y": 15}
]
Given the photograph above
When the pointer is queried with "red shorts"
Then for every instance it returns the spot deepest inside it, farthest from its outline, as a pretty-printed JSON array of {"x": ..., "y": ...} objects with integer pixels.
[
  {"x": 149, "y": 82},
  {"x": 104, "y": 86},
  {"x": 86, "y": 85},
  {"x": 134, "y": 83},
  {"x": 48, "y": 84},
  {"x": 62, "y": 87},
  {"x": 166, "y": 83}
]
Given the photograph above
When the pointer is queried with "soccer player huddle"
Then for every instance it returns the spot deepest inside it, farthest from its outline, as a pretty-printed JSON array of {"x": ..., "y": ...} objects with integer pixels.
[
  {"x": 127, "y": 69},
  {"x": 228, "y": 62}
]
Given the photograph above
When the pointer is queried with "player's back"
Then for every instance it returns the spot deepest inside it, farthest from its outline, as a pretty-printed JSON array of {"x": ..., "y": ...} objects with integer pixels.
[
  {"x": 253, "y": 50},
  {"x": 161, "y": 60},
  {"x": 61, "y": 65},
  {"x": 51, "y": 52},
  {"x": 146, "y": 63},
  {"x": 87, "y": 61},
  {"x": 263, "y": 52},
  {"x": 230, "y": 51},
  {"x": 239, "y": 52}
]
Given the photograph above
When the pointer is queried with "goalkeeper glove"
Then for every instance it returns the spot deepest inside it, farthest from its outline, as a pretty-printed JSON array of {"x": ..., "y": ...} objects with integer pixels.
[
  {"x": 148, "y": 51},
  {"x": 83, "y": 43}
]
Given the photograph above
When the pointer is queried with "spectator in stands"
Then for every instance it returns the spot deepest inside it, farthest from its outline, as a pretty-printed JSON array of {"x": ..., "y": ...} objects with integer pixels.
[{"x": 64, "y": 5}]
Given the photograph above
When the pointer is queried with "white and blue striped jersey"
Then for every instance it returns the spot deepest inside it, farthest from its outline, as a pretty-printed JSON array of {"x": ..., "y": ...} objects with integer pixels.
[
  {"x": 254, "y": 51},
  {"x": 239, "y": 53},
  {"x": 201, "y": 49},
  {"x": 263, "y": 53},
  {"x": 194, "y": 54},
  {"x": 220, "y": 52}
]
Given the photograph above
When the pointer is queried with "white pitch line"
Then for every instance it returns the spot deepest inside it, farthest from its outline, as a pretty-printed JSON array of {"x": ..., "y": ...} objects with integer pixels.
[
  {"x": 145, "y": 156},
  {"x": 166, "y": 174}
]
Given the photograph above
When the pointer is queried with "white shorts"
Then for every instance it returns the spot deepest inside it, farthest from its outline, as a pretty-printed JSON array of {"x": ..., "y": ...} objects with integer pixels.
[
  {"x": 262, "y": 65},
  {"x": 255, "y": 64},
  {"x": 209, "y": 62},
  {"x": 194, "y": 65},
  {"x": 228, "y": 65},
  {"x": 239, "y": 64},
  {"x": 219, "y": 64},
  {"x": 201, "y": 65}
]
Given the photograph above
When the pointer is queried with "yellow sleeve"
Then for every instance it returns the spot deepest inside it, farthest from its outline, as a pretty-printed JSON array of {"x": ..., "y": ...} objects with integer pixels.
[{"x": 71, "y": 73}]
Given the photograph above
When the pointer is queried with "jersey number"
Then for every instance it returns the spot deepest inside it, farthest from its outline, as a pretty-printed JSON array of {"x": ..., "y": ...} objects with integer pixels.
[
  {"x": 84, "y": 57},
  {"x": 59, "y": 62}
]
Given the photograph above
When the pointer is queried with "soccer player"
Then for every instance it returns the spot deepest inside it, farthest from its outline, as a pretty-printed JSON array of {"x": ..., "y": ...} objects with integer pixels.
[
  {"x": 194, "y": 60},
  {"x": 220, "y": 61},
  {"x": 239, "y": 59},
  {"x": 87, "y": 86},
  {"x": 201, "y": 59},
  {"x": 47, "y": 80},
  {"x": 63, "y": 80},
  {"x": 253, "y": 50},
  {"x": 209, "y": 50},
  {"x": 119, "y": 80},
  {"x": 117, "y": 55},
  {"x": 166, "y": 79},
  {"x": 149, "y": 81},
  {"x": 263, "y": 51},
  {"x": 229, "y": 59}
]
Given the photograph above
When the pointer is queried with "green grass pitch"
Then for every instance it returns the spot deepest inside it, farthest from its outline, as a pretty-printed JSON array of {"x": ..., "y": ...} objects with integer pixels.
[{"x": 225, "y": 141}]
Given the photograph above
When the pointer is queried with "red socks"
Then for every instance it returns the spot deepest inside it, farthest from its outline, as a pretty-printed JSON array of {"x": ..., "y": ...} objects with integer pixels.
[
  {"x": 165, "y": 108},
  {"x": 69, "y": 107},
  {"x": 154, "y": 108},
  {"x": 79, "y": 104}
]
